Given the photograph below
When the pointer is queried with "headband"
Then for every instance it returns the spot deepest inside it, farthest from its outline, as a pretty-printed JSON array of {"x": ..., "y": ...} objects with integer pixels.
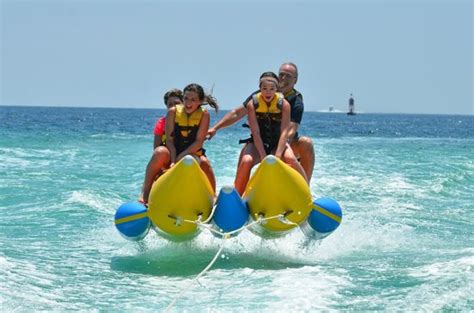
[{"x": 269, "y": 79}]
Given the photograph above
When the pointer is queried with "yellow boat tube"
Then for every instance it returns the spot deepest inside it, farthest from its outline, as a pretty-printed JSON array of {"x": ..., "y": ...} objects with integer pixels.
[
  {"x": 181, "y": 194},
  {"x": 276, "y": 189}
]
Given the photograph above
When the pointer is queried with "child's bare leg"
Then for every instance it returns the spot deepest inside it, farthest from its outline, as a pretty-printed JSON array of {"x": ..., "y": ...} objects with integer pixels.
[
  {"x": 159, "y": 160},
  {"x": 207, "y": 169},
  {"x": 290, "y": 159},
  {"x": 249, "y": 159}
]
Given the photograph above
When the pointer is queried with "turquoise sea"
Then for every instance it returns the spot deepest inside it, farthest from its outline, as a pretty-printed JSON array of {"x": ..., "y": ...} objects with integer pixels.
[{"x": 406, "y": 242}]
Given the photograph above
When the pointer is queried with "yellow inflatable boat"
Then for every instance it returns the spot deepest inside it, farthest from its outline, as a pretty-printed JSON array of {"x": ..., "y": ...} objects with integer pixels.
[
  {"x": 180, "y": 195},
  {"x": 279, "y": 196}
]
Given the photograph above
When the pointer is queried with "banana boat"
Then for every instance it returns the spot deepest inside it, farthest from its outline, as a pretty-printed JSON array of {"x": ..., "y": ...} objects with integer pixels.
[
  {"x": 279, "y": 195},
  {"x": 276, "y": 201}
]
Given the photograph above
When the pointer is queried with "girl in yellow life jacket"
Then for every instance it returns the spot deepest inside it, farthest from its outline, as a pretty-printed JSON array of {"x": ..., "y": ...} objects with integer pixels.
[
  {"x": 186, "y": 128},
  {"x": 269, "y": 121},
  {"x": 186, "y": 138}
]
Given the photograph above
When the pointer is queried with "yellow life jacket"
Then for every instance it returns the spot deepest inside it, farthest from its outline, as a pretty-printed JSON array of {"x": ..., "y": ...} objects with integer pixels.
[
  {"x": 269, "y": 119},
  {"x": 274, "y": 107},
  {"x": 186, "y": 127}
]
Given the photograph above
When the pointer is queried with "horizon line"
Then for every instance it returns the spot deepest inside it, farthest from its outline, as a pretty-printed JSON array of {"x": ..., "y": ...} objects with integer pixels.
[{"x": 322, "y": 111}]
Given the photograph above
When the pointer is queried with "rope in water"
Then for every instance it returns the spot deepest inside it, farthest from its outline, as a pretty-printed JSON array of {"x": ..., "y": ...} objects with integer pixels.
[
  {"x": 225, "y": 236},
  {"x": 183, "y": 290}
]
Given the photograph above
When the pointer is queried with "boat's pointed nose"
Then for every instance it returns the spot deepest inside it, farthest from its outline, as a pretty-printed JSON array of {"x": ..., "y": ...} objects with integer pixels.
[
  {"x": 270, "y": 159},
  {"x": 188, "y": 160}
]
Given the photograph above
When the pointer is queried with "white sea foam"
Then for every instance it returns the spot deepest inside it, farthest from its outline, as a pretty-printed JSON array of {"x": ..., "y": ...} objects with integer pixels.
[
  {"x": 365, "y": 233},
  {"x": 445, "y": 284},
  {"x": 459, "y": 267},
  {"x": 103, "y": 203},
  {"x": 38, "y": 286},
  {"x": 120, "y": 136},
  {"x": 5, "y": 264},
  {"x": 296, "y": 286},
  {"x": 397, "y": 183},
  {"x": 10, "y": 161},
  {"x": 33, "y": 160}
]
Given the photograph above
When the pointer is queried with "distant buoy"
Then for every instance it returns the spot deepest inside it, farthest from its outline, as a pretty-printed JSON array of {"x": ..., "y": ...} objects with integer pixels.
[
  {"x": 132, "y": 221},
  {"x": 324, "y": 218},
  {"x": 230, "y": 213}
]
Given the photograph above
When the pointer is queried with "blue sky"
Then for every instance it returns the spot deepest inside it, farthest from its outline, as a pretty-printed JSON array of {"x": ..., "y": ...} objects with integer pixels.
[{"x": 394, "y": 56}]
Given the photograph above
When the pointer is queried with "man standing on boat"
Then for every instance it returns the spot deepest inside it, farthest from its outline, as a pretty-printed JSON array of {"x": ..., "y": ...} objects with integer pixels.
[{"x": 301, "y": 145}]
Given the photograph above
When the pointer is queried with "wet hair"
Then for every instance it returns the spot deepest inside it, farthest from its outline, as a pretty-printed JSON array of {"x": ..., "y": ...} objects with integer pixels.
[
  {"x": 207, "y": 99},
  {"x": 294, "y": 66},
  {"x": 173, "y": 93},
  {"x": 272, "y": 77}
]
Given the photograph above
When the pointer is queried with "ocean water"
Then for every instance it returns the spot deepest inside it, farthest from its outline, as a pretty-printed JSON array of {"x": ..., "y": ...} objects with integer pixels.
[{"x": 406, "y": 242}]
